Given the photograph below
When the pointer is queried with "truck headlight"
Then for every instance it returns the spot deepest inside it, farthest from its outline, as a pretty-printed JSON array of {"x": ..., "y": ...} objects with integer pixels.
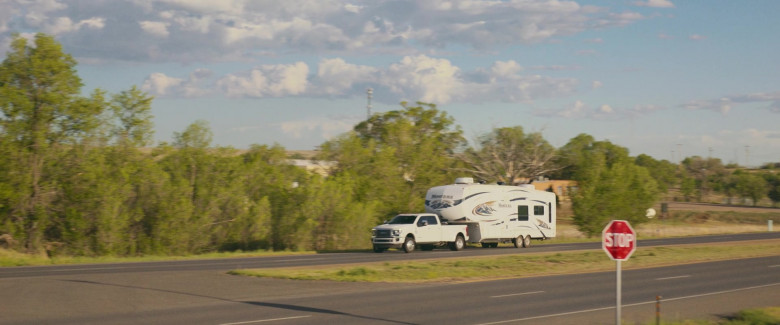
[
  {"x": 373, "y": 232},
  {"x": 396, "y": 232}
]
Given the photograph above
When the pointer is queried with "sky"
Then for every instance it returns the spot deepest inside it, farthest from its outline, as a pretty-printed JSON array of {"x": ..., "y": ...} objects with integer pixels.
[{"x": 670, "y": 79}]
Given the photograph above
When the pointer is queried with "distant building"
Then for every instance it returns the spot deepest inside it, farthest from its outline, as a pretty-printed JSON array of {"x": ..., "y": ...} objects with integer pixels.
[
  {"x": 564, "y": 189},
  {"x": 321, "y": 167}
]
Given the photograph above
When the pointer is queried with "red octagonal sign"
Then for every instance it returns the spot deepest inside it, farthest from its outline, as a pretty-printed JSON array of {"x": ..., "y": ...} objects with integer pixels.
[{"x": 619, "y": 240}]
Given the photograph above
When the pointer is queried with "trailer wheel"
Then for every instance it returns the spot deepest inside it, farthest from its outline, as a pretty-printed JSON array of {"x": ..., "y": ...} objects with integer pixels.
[
  {"x": 458, "y": 244},
  {"x": 378, "y": 249},
  {"x": 485, "y": 245},
  {"x": 518, "y": 242},
  {"x": 527, "y": 241},
  {"x": 409, "y": 244}
]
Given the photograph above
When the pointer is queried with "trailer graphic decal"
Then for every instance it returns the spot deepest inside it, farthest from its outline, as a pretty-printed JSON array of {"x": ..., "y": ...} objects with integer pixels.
[
  {"x": 543, "y": 224},
  {"x": 484, "y": 209}
]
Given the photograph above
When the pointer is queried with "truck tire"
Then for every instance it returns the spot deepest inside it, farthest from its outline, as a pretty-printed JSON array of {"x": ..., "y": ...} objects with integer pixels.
[
  {"x": 378, "y": 249},
  {"x": 527, "y": 241},
  {"x": 458, "y": 244},
  {"x": 409, "y": 244}
]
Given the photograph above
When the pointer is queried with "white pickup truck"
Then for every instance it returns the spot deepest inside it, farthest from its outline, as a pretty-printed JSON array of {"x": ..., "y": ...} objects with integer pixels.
[{"x": 406, "y": 231}]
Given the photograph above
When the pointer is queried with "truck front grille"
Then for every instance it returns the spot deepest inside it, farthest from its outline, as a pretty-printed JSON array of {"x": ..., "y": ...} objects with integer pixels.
[{"x": 384, "y": 233}]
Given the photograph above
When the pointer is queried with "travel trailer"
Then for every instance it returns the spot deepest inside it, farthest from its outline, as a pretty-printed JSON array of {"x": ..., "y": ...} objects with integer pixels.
[{"x": 495, "y": 213}]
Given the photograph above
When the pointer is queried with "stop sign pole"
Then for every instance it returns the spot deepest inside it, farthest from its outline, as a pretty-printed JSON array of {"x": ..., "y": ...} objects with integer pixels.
[{"x": 618, "y": 239}]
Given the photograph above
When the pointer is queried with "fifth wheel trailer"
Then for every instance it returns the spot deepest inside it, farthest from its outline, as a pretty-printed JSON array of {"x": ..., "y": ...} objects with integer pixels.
[{"x": 495, "y": 213}]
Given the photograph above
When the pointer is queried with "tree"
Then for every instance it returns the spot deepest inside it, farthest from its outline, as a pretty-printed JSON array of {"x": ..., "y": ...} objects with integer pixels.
[
  {"x": 508, "y": 154},
  {"x": 773, "y": 181},
  {"x": 709, "y": 174},
  {"x": 132, "y": 108},
  {"x": 197, "y": 135},
  {"x": 751, "y": 186},
  {"x": 664, "y": 172},
  {"x": 398, "y": 155},
  {"x": 610, "y": 185},
  {"x": 42, "y": 107}
]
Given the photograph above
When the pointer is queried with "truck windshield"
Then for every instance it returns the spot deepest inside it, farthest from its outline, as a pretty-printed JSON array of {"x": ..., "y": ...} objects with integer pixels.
[{"x": 402, "y": 220}]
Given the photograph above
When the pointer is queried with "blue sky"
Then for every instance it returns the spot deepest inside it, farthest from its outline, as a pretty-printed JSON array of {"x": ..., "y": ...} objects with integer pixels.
[{"x": 666, "y": 78}]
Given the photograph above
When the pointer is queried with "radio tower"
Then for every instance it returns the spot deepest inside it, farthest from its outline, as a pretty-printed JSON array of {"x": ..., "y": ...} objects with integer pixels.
[{"x": 369, "y": 92}]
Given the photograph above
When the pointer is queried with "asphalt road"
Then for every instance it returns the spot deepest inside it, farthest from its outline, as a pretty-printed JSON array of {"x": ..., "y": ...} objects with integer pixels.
[{"x": 199, "y": 292}]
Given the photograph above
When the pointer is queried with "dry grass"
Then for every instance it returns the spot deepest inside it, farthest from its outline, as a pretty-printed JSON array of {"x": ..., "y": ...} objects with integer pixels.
[{"x": 687, "y": 219}]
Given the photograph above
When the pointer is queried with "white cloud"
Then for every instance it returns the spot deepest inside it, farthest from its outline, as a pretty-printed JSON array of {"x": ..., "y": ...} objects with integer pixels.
[
  {"x": 578, "y": 110},
  {"x": 581, "y": 110},
  {"x": 424, "y": 78},
  {"x": 655, "y": 3},
  {"x": 156, "y": 28},
  {"x": 413, "y": 78},
  {"x": 596, "y": 84},
  {"x": 61, "y": 25},
  {"x": 725, "y": 104},
  {"x": 665, "y": 36},
  {"x": 159, "y": 84},
  {"x": 267, "y": 81},
  {"x": 205, "y": 30},
  {"x": 336, "y": 77}
]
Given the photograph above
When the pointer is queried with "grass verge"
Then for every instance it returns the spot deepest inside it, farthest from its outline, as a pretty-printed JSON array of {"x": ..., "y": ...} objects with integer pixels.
[
  {"x": 13, "y": 258},
  {"x": 758, "y": 316},
  {"x": 520, "y": 265}
]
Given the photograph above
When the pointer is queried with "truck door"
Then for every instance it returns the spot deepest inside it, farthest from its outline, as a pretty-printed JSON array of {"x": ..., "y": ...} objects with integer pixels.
[{"x": 428, "y": 229}]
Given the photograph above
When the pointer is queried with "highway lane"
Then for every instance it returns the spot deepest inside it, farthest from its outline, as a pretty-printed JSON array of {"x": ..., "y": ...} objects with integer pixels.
[
  {"x": 693, "y": 290},
  {"x": 342, "y": 258},
  {"x": 198, "y": 292},
  {"x": 537, "y": 300}
]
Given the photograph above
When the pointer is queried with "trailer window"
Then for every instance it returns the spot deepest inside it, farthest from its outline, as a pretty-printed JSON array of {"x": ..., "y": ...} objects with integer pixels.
[
  {"x": 539, "y": 210},
  {"x": 522, "y": 213}
]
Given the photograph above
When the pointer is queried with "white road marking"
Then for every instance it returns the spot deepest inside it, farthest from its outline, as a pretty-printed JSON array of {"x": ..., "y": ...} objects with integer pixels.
[
  {"x": 517, "y": 294},
  {"x": 673, "y": 277},
  {"x": 629, "y": 305},
  {"x": 775, "y": 265},
  {"x": 266, "y": 320}
]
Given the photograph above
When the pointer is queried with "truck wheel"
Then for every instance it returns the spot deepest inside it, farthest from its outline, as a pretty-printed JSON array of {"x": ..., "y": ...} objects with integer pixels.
[
  {"x": 409, "y": 244},
  {"x": 527, "y": 241},
  {"x": 378, "y": 249},
  {"x": 458, "y": 244},
  {"x": 518, "y": 242}
]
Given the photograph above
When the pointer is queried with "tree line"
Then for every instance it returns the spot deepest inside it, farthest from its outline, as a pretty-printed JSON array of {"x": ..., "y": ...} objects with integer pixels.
[{"x": 78, "y": 178}]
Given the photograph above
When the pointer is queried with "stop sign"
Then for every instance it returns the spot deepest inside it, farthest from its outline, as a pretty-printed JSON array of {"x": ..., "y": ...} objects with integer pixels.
[{"x": 619, "y": 240}]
